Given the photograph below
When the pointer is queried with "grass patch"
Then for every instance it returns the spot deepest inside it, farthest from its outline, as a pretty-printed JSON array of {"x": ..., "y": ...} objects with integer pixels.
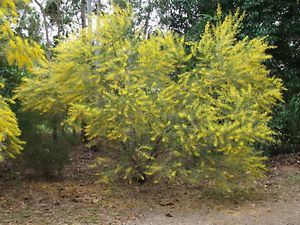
[{"x": 295, "y": 179}]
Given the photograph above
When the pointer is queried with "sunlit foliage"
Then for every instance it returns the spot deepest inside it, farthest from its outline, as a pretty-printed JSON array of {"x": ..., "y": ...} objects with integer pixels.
[
  {"x": 16, "y": 50},
  {"x": 9, "y": 131}
]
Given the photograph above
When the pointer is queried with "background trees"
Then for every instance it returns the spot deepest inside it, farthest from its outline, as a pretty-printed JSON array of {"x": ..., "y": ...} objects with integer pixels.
[{"x": 280, "y": 22}]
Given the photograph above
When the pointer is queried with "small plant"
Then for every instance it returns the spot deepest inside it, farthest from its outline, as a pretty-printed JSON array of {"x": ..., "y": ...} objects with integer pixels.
[
  {"x": 46, "y": 156},
  {"x": 42, "y": 154}
]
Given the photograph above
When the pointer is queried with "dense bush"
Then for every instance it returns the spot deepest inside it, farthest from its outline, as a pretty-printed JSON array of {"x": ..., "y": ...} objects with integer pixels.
[
  {"x": 286, "y": 122},
  {"x": 44, "y": 156},
  {"x": 163, "y": 119}
]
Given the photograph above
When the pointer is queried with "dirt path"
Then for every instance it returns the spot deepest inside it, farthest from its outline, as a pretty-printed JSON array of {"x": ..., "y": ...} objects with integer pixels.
[
  {"x": 77, "y": 200},
  {"x": 265, "y": 214},
  {"x": 280, "y": 206}
]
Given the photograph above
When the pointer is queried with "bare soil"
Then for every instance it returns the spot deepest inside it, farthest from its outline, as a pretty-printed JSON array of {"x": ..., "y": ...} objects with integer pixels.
[{"x": 76, "y": 199}]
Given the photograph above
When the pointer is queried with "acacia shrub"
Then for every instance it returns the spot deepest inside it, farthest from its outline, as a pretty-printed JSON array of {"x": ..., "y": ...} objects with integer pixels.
[
  {"x": 200, "y": 127},
  {"x": 10, "y": 143},
  {"x": 16, "y": 52}
]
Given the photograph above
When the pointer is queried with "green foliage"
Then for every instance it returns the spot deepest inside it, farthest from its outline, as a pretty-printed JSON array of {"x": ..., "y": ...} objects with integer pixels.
[
  {"x": 286, "y": 121},
  {"x": 60, "y": 15},
  {"x": 29, "y": 22},
  {"x": 201, "y": 127},
  {"x": 45, "y": 156},
  {"x": 280, "y": 22},
  {"x": 189, "y": 17},
  {"x": 11, "y": 77}
]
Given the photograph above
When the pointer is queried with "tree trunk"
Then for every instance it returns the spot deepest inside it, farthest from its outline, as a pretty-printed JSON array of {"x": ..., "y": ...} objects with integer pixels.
[
  {"x": 48, "y": 43},
  {"x": 99, "y": 5},
  {"x": 148, "y": 17},
  {"x": 83, "y": 135},
  {"x": 89, "y": 14},
  {"x": 55, "y": 128},
  {"x": 59, "y": 21},
  {"x": 83, "y": 13}
]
